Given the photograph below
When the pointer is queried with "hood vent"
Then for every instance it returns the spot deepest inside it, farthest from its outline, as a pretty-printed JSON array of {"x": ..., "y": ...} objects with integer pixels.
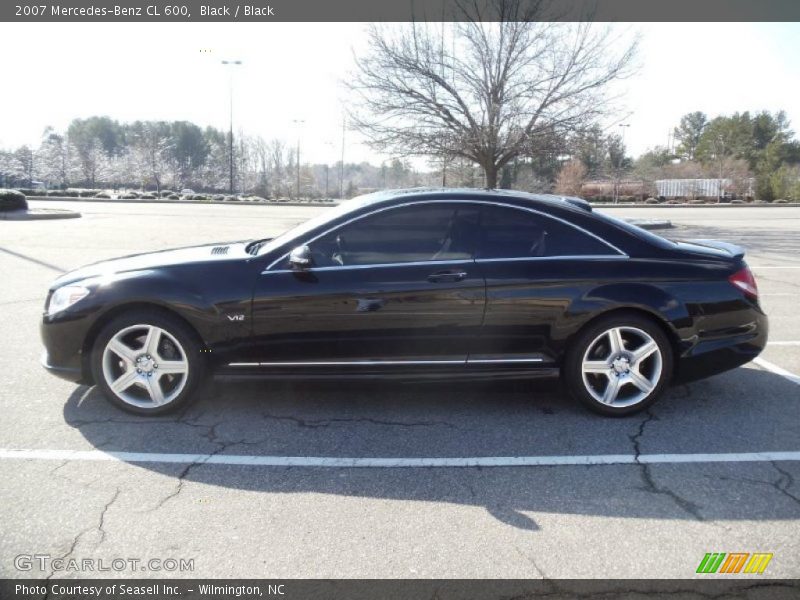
[{"x": 220, "y": 250}]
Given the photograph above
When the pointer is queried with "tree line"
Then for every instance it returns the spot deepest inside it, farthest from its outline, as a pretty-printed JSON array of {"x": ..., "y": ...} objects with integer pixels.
[{"x": 99, "y": 152}]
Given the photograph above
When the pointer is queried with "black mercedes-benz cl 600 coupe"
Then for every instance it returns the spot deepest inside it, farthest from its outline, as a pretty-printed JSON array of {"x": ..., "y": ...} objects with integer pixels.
[{"x": 414, "y": 284}]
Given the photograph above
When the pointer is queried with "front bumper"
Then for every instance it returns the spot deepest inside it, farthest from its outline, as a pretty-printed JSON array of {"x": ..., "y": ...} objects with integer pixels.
[
  {"x": 70, "y": 373},
  {"x": 63, "y": 342}
]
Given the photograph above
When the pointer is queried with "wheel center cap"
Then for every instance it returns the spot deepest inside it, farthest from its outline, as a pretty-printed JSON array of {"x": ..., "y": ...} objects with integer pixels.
[
  {"x": 145, "y": 363},
  {"x": 621, "y": 364}
]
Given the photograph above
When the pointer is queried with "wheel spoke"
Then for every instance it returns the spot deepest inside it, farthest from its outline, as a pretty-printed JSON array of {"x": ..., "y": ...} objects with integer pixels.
[
  {"x": 596, "y": 366},
  {"x": 151, "y": 342},
  {"x": 172, "y": 367},
  {"x": 640, "y": 381},
  {"x": 154, "y": 389},
  {"x": 615, "y": 342},
  {"x": 120, "y": 349},
  {"x": 645, "y": 350},
  {"x": 124, "y": 381},
  {"x": 612, "y": 389}
]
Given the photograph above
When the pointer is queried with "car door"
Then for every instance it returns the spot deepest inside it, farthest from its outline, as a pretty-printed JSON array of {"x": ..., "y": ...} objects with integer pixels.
[
  {"x": 396, "y": 287},
  {"x": 536, "y": 267}
]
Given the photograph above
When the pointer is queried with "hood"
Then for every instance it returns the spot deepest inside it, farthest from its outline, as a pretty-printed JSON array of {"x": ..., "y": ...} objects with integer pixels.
[{"x": 162, "y": 258}]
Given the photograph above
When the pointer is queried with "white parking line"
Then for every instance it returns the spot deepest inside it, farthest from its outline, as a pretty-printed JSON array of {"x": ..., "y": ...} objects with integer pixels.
[
  {"x": 391, "y": 463},
  {"x": 784, "y": 343},
  {"x": 773, "y": 368}
]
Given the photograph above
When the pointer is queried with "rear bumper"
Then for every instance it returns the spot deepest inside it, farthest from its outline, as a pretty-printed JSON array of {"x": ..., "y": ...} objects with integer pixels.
[{"x": 720, "y": 353}]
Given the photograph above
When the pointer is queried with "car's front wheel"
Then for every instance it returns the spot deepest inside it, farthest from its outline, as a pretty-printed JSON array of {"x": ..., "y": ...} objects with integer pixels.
[
  {"x": 147, "y": 362},
  {"x": 619, "y": 365}
]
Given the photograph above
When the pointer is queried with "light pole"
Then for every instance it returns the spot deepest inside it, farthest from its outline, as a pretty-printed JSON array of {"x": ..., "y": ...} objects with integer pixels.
[
  {"x": 299, "y": 123},
  {"x": 230, "y": 134},
  {"x": 341, "y": 164},
  {"x": 618, "y": 168}
]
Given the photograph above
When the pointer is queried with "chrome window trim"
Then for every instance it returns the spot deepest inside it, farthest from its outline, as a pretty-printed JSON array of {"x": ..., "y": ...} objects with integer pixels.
[
  {"x": 377, "y": 265},
  {"x": 564, "y": 257},
  {"x": 620, "y": 253}
]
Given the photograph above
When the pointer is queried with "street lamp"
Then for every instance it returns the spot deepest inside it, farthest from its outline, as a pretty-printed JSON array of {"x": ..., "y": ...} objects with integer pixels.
[
  {"x": 230, "y": 135},
  {"x": 623, "y": 126},
  {"x": 299, "y": 123}
]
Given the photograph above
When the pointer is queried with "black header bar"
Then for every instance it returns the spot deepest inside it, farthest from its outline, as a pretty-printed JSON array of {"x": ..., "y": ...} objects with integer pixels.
[{"x": 388, "y": 10}]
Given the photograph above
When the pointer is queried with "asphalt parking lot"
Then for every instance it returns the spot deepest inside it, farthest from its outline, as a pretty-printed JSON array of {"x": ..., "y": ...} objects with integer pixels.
[{"x": 642, "y": 516}]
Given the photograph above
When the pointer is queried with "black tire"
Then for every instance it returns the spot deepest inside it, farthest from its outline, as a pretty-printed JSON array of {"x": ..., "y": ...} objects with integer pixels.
[
  {"x": 182, "y": 386},
  {"x": 573, "y": 372}
]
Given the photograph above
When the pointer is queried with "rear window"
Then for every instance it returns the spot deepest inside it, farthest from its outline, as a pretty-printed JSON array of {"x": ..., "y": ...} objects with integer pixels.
[
  {"x": 639, "y": 232},
  {"x": 514, "y": 233}
]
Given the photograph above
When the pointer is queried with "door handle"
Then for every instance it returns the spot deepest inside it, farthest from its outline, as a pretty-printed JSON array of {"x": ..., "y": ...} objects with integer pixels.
[{"x": 445, "y": 276}]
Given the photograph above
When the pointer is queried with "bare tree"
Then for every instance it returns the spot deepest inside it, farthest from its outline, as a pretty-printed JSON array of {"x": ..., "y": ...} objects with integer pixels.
[
  {"x": 488, "y": 90},
  {"x": 152, "y": 152}
]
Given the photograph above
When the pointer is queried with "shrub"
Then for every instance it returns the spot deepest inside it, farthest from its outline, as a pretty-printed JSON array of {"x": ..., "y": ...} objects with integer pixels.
[
  {"x": 166, "y": 193},
  {"x": 88, "y": 193},
  {"x": 674, "y": 201},
  {"x": 218, "y": 197},
  {"x": 147, "y": 196},
  {"x": 780, "y": 201},
  {"x": 128, "y": 196},
  {"x": 737, "y": 201},
  {"x": 174, "y": 197},
  {"x": 12, "y": 200},
  {"x": 70, "y": 193},
  {"x": 105, "y": 195},
  {"x": 231, "y": 199},
  {"x": 257, "y": 199},
  {"x": 651, "y": 201},
  {"x": 696, "y": 201},
  {"x": 201, "y": 197}
]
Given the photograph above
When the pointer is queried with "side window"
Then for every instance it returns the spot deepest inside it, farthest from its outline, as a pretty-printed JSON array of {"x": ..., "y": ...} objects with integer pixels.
[
  {"x": 408, "y": 234},
  {"x": 514, "y": 233}
]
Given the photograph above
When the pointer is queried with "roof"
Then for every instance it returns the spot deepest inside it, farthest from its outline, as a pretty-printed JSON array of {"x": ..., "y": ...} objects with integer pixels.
[{"x": 472, "y": 193}]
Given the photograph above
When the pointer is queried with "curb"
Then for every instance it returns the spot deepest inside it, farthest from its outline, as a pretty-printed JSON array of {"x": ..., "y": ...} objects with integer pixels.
[
  {"x": 38, "y": 214},
  {"x": 651, "y": 223},
  {"x": 163, "y": 201},
  {"x": 664, "y": 205},
  {"x": 336, "y": 202}
]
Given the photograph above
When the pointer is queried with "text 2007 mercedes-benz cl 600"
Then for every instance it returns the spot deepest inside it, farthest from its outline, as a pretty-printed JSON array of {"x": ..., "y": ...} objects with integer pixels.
[{"x": 414, "y": 284}]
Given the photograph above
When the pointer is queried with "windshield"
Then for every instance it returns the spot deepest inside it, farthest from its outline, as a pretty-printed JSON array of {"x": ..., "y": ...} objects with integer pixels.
[{"x": 305, "y": 227}]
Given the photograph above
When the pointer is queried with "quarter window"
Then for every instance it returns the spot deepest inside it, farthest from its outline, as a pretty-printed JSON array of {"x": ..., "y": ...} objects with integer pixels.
[
  {"x": 401, "y": 235},
  {"x": 516, "y": 233}
]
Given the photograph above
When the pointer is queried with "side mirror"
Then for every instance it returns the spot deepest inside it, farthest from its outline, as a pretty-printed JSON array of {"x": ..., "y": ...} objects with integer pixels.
[{"x": 300, "y": 258}]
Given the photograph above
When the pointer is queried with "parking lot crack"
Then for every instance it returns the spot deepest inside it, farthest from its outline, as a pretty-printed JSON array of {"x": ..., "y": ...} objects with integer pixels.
[
  {"x": 100, "y": 528},
  {"x": 221, "y": 446},
  {"x": 646, "y": 473},
  {"x": 322, "y": 423},
  {"x": 784, "y": 482}
]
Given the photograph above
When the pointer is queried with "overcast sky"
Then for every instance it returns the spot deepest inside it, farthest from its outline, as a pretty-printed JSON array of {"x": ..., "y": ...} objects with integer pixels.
[{"x": 55, "y": 72}]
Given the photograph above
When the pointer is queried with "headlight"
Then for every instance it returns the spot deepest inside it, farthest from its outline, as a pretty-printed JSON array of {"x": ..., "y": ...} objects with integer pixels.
[{"x": 66, "y": 296}]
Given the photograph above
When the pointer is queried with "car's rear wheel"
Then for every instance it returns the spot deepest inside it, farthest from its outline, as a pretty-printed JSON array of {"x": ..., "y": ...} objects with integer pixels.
[
  {"x": 147, "y": 362},
  {"x": 619, "y": 365}
]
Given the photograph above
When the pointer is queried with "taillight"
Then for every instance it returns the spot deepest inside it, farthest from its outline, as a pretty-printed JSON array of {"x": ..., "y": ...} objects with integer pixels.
[{"x": 744, "y": 280}]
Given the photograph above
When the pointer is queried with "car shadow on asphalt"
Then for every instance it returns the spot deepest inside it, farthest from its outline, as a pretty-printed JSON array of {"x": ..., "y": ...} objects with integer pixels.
[{"x": 746, "y": 410}]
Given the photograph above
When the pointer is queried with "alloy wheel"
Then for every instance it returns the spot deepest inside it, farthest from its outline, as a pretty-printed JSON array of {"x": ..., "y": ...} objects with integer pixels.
[
  {"x": 145, "y": 366},
  {"x": 622, "y": 366}
]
